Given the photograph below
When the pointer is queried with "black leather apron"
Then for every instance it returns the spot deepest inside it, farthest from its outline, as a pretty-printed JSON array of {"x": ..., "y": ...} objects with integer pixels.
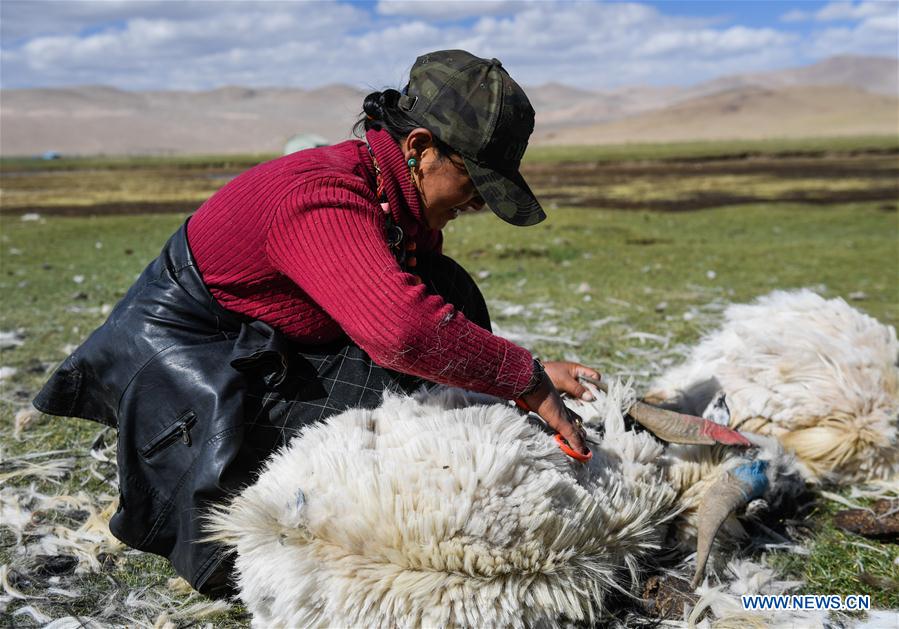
[{"x": 201, "y": 396}]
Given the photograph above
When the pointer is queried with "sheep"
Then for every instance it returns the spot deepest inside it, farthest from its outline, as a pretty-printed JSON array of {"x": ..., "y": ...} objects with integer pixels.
[
  {"x": 450, "y": 508},
  {"x": 817, "y": 374}
]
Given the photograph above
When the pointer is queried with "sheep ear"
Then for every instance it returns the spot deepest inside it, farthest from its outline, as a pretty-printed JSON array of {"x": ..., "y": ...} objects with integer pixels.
[{"x": 717, "y": 410}]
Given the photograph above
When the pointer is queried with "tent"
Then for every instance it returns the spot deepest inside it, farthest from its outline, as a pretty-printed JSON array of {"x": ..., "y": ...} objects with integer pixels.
[{"x": 304, "y": 141}]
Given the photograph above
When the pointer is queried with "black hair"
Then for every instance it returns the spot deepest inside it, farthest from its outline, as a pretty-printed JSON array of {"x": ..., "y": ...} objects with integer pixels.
[{"x": 380, "y": 110}]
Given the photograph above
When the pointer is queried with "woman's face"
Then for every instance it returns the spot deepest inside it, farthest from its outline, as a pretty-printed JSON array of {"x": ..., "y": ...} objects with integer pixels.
[{"x": 443, "y": 183}]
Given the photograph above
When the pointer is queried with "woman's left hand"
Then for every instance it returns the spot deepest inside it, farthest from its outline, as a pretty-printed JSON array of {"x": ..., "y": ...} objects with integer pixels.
[{"x": 564, "y": 376}]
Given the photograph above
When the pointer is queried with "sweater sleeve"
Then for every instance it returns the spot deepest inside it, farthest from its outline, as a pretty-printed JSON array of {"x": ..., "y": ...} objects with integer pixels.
[{"x": 328, "y": 237}]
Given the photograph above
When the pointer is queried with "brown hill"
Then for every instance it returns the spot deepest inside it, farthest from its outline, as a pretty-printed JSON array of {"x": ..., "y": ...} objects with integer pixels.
[
  {"x": 565, "y": 112},
  {"x": 839, "y": 96},
  {"x": 748, "y": 113},
  {"x": 879, "y": 75},
  {"x": 91, "y": 120},
  {"x": 560, "y": 107}
]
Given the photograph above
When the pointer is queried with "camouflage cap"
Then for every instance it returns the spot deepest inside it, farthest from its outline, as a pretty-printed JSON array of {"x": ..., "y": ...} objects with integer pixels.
[{"x": 474, "y": 106}]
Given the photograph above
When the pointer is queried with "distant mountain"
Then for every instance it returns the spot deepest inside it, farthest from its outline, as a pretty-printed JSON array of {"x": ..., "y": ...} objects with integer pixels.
[
  {"x": 838, "y": 96},
  {"x": 575, "y": 108},
  {"x": 879, "y": 75},
  {"x": 90, "y": 120},
  {"x": 568, "y": 112},
  {"x": 748, "y": 113}
]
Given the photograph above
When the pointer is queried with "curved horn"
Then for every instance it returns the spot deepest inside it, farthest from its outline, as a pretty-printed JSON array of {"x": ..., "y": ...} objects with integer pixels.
[
  {"x": 676, "y": 427},
  {"x": 735, "y": 490},
  {"x": 722, "y": 499},
  {"x": 679, "y": 428}
]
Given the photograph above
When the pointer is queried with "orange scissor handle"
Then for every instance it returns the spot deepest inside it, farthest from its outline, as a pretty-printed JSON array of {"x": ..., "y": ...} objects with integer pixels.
[
  {"x": 574, "y": 454},
  {"x": 560, "y": 440}
]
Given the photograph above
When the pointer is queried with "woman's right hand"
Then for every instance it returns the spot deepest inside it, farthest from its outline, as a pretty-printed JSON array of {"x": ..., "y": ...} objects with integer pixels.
[{"x": 547, "y": 403}]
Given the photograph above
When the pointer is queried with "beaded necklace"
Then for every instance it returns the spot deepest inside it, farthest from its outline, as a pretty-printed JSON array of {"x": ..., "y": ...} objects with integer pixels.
[{"x": 404, "y": 252}]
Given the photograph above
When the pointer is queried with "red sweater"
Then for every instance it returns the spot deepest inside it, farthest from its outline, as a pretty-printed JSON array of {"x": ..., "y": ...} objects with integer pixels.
[{"x": 298, "y": 242}]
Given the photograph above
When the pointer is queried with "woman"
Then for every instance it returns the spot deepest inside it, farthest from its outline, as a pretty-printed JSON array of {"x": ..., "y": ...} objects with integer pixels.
[{"x": 305, "y": 286}]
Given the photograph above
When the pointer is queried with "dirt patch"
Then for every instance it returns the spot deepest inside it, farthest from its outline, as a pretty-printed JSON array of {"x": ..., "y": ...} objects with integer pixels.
[
  {"x": 881, "y": 521},
  {"x": 590, "y": 172},
  {"x": 104, "y": 209},
  {"x": 523, "y": 252},
  {"x": 821, "y": 180},
  {"x": 664, "y": 185},
  {"x": 665, "y": 597},
  {"x": 698, "y": 201},
  {"x": 708, "y": 200},
  {"x": 645, "y": 242}
]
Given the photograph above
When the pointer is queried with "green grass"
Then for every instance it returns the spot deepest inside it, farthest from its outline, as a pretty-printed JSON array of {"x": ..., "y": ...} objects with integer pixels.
[
  {"x": 709, "y": 149},
  {"x": 132, "y": 162},
  {"x": 45, "y": 190},
  {"x": 579, "y": 267},
  {"x": 535, "y": 154},
  {"x": 814, "y": 169},
  {"x": 840, "y": 562}
]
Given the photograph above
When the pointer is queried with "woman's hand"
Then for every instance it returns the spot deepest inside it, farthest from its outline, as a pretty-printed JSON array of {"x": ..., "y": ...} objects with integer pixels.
[
  {"x": 564, "y": 376},
  {"x": 547, "y": 403}
]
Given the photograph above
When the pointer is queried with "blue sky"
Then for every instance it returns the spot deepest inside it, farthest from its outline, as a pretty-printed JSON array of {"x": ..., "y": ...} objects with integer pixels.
[{"x": 193, "y": 45}]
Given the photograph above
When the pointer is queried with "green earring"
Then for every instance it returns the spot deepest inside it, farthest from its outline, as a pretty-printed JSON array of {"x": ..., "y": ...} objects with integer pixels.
[{"x": 412, "y": 162}]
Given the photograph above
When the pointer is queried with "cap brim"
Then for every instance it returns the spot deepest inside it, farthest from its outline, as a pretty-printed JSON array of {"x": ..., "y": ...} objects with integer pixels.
[{"x": 506, "y": 194}]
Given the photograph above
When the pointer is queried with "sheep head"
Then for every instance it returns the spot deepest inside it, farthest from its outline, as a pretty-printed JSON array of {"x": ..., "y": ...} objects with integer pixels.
[{"x": 727, "y": 479}]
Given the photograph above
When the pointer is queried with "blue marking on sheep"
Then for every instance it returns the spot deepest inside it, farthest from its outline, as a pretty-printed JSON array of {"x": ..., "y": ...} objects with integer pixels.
[{"x": 752, "y": 476}]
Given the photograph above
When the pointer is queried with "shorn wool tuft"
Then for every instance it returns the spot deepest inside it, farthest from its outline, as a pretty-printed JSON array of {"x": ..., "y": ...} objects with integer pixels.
[
  {"x": 816, "y": 373},
  {"x": 441, "y": 509}
]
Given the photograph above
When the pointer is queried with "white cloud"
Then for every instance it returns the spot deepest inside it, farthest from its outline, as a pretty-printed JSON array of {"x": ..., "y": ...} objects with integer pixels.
[
  {"x": 868, "y": 39},
  {"x": 873, "y": 28},
  {"x": 447, "y": 9},
  {"x": 847, "y": 12},
  {"x": 201, "y": 45},
  {"x": 876, "y": 29},
  {"x": 708, "y": 43},
  {"x": 607, "y": 45},
  {"x": 22, "y": 19},
  {"x": 796, "y": 15},
  {"x": 852, "y": 11},
  {"x": 178, "y": 51}
]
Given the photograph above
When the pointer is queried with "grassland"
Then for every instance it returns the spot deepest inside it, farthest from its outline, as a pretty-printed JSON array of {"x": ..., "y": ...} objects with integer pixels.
[
  {"x": 614, "y": 279},
  {"x": 703, "y": 150}
]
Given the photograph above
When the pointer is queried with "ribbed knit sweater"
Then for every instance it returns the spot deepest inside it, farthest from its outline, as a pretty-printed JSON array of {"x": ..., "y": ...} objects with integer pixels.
[{"x": 299, "y": 243}]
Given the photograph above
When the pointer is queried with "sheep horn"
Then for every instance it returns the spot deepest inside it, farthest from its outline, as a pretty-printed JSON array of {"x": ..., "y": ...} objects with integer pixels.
[
  {"x": 676, "y": 427},
  {"x": 734, "y": 491},
  {"x": 679, "y": 428}
]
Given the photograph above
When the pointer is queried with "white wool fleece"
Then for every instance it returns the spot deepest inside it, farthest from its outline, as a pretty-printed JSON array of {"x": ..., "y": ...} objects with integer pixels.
[
  {"x": 452, "y": 509},
  {"x": 430, "y": 511},
  {"x": 815, "y": 372}
]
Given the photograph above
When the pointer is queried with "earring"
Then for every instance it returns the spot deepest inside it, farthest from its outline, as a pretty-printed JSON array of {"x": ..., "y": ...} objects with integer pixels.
[{"x": 413, "y": 175}]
